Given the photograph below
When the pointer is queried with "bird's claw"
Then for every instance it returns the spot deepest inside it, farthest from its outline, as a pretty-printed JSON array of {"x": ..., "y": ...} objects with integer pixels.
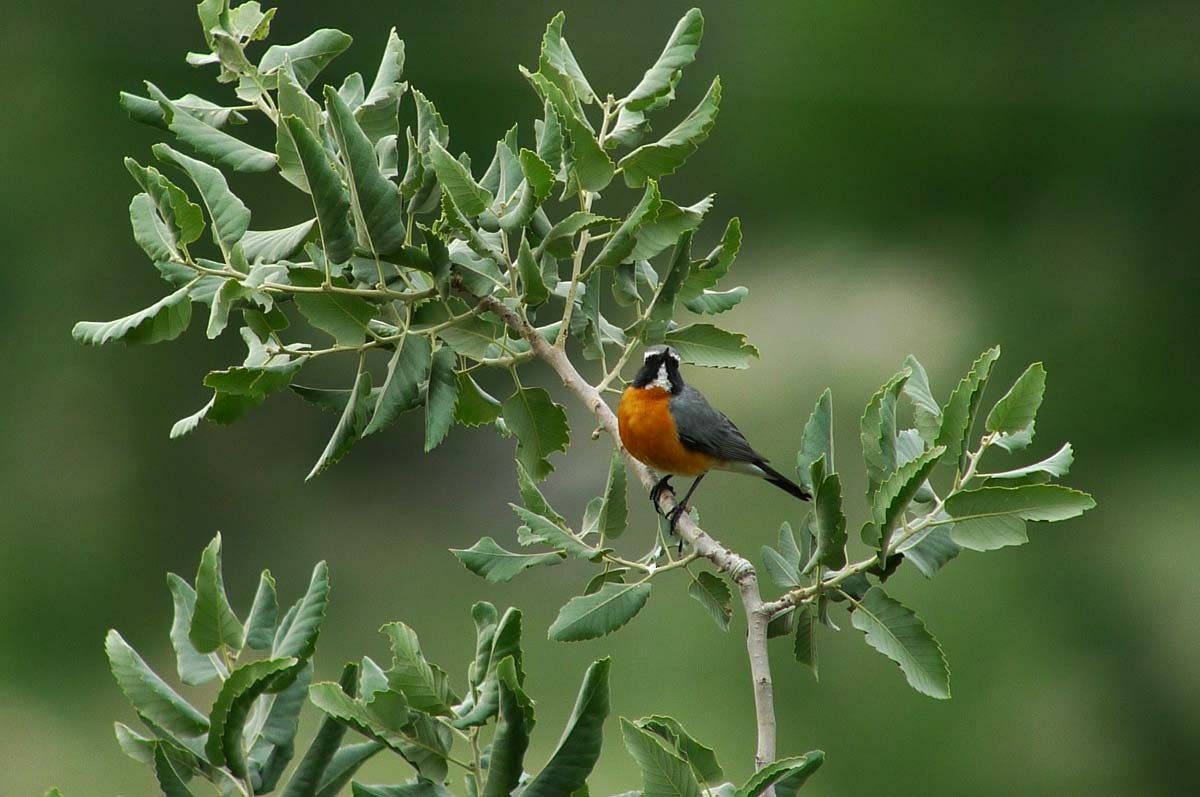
[
  {"x": 663, "y": 485},
  {"x": 674, "y": 515}
]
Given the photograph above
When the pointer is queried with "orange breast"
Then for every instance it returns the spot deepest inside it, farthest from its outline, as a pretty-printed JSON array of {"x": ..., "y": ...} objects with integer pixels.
[{"x": 648, "y": 433}]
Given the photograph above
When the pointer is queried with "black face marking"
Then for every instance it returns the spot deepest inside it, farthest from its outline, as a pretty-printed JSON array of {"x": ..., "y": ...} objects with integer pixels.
[{"x": 660, "y": 367}]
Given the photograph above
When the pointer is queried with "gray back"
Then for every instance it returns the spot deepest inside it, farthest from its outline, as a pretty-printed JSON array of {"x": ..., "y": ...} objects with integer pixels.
[{"x": 703, "y": 428}]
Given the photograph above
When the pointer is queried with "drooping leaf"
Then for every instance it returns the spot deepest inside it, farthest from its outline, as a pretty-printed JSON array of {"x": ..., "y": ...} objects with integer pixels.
[
  {"x": 489, "y": 561},
  {"x": 599, "y": 614},
  {"x": 166, "y": 319},
  {"x": 540, "y": 426},
  {"x": 992, "y": 517},
  {"x": 664, "y": 774},
  {"x": 786, "y": 774},
  {"x": 615, "y": 515},
  {"x": 151, "y": 697},
  {"x": 401, "y": 392},
  {"x": 532, "y": 284},
  {"x": 620, "y": 245},
  {"x": 440, "y": 398},
  {"x": 711, "y": 592},
  {"x": 221, "y": 147},
  {"x": 229, "y": 215},
  {"x": 804, "y": 646},
  {"x": 1018, "y": 407},
  {"x": 669, "y": 152},
  {"x": 213, "y": 622},
  {"x": 423, "y": 684},
  {"x": 897, "y": 632},
  {"x": 349, "y": 426},
  {"x": 244, "y": 685},
  {"x": 657, "y": 86},
  {"x": 579, "y": 747},
  {"x": 532, "y": 497},
  {"x": 307, "y": 56},
  {"x": 271, "y": 246},
  {"x": 707, "y": 345},
  {"x": 1055, "y": 465}
]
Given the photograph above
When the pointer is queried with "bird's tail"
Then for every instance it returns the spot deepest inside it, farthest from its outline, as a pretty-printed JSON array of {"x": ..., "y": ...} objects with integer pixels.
[{"x": 783, "y": 482}]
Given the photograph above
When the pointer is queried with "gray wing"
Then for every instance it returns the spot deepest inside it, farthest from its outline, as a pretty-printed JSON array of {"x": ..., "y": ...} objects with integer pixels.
[{"x": 703, "y": 428}]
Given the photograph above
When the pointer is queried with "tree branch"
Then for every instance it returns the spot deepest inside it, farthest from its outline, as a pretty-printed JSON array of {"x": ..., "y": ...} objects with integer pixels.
[{"x": 738, "y": 568}]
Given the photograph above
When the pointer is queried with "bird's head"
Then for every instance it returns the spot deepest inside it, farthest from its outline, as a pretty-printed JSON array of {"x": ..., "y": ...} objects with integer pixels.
[{"x": 660, "y": 368}]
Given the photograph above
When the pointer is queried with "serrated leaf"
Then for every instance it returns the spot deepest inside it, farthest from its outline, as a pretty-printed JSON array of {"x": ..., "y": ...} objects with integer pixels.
[
  {"x": 329, "y": 197},
  {"x": 897, "y": 632},
  {"x": 213, "y": 622},
  {"x": 271, "y": 246},
  {"x": 657, "y": 86},
  {"x": 151, "y": 697},
  {"x": 829, "y": 523},
  {"x": 330, "y": 698},
  {"x": 349, "y": 426},
  {"x": 707, "y": 345},
  {"x": 538, "y": 529},
  {"x": 992, "y": 517},
  {"x": 579, "y": 747},
  {"x": 669, "y": 152},
  {"x": 662, "y": 309},
  {"x": 308, "y": 56},
  {"x": 558, "y": 240},
  {"x": 930, "y": 552},
  {"x": 533, "y": 287},
  {"x": 557, "y": 64},
  {"x": 927, "y": 413},
  {"x": 308, "y": 773},
  {"x": 150, "y": 231},
  {"x": 599, "y": 614},
  {"x": 588, "y": 166},
  {"x": 1018, "y": 408},
  {"x": 344, "y": 765},
  {"x": 893, "y": 496},
  {"x": 671, "y": 221},
  {"x": 469, "y": 197},
  {"x": 194, "y": 668},
  {"x": 301, "y": 634},
  {"x": 878, "y": 431},
  {"x": 228, "y": 716},
  {"x": 489, "y": 561},
  {"x": 183, "y": 217},
  {"x": 804, "y": 646},
  {"x": 615, "y": 516},
  {"x": 229, "y": 215},
  {"x": 440, "y": 398},
  {"x": 664, "y": 774},
  {"x": 264, "y": 614},
  {"x": 213, "y": 143},
  {"x": 377, "y": 114},
  {"x": 711, "y": 592},
  {"x": 505, "y": 764},
  {"x": 1056, "y": 465},
  {"x": 166, "y": 319},
  {"x": 817, "y": 440},
  {"x": 169, "y": 779},
  {"x": 540, "y": 426},
  {"x": 341, "y": 316},
  {"x": 401, "y": 392},
  {"x": 424, "y": 685},
  {"x": 620, "y": 245},
  {"x": 715, "y": 302},
  {"x": 959, "y": 413},
  {"x": 790, "y": 771}
]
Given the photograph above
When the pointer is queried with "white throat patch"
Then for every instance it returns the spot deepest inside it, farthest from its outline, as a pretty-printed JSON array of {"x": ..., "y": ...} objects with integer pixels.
[{"x": 663, "y": 380}]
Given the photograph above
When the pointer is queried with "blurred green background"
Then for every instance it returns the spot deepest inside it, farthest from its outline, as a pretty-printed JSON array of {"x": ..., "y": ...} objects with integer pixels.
[{"x": 911, "y": 177}]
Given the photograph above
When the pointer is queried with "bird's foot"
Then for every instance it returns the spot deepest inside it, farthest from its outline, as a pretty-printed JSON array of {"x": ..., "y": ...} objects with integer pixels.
[
  {"x": 663, "y": 485},
  {"x": 673, "y": 518}
]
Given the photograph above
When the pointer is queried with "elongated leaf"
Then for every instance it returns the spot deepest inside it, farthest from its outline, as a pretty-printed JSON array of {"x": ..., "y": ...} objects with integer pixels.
[
  {"x": 489, "y": 561},
  {"x": 149, "y": 694},
  {"x": 471, "y": 198},
  {"x": 599, "y": 614},
  {"x": 878, "y": 431},
  {"x": 421, "y": 788},
  {"x": 1055, "y": 465},
  {"x": 894, "y": 495},
  {"x": 213, "y": 622},
  {"x": 715, "y": 302},
  {"x": 669, "y": 152},
  {"x": 804, "y": 646},
  {"x": 349, "y": 427},
  {"x": 587, "y": 164},
  {"x": 786, "y": 774},
  {"x": 342, "y": 317},
  {"x": 423, "y": 684},
  {"x": 441, "y": 398},
  {"x": 377, "y": 114},
  {"x": 329, "y": 197},
  {"x": 579, "y": 747},
  {"x": 817, "y": 440},
  {"x": 219, "y": 146},
  {"x": 557, "y": 64},
  {"x": 195, "y": 668},
  {"x": 701, "y": 758},
  {"x": 1018, "y": 408},
  {"x": 169, "y": 779},
  {"x": 307, "y": 56},
  {"x": 228, "y": 716},
  {"x": 376, "y": 199},
  {"x": 475, "y": 406},
  {"x": 558, "y": 240},
  {"x": 308, "y": 773},
  {"x": 300, "y": 638},
  {"x": 546, "y": 531},
  {"x": 505, "y": 764},
  {"x": 959, "y": 413},
  {"x": 992, "y": 517},
  {"x": 897, "y": 632},
  {"x": 503, "y": 642},
  {"x": 264, "y": 614},
  {"x": 182, "y": 216},
  {"x": 657, "y": 86},
  {"x": 664, "y": 774},
  {"x": 532, "y": 284},
  {"x": 532, "y": 497},
  {"x": 229, "y": 215},
  {"x": 166, "y": 319},
  {"x": 344, "y": 765},
  {"x": 930, "y": 552},
  {"x": 619, "y": 246},
  {"x": 829, "y": 524},
  {"x": 711, "y": 592},
  {"x": 401, "y": 392},
  {"x": 150, "y": 231},
  {"x": 540, "y": 426},
  {"x": 927, "y": 413},
  {"x": 271, "y": 246},
  {"x": 707, "y": 345},
  {"x": 615, "y": 515},
  {"x": 330, "y": 698},
  {"x": 671, "y": 221}
]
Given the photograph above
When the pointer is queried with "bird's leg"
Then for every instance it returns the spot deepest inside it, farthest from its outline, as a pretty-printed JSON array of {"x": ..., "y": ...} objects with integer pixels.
[
  {"x": 682, "y": 506},
  {"x": 657, "y": 490}
]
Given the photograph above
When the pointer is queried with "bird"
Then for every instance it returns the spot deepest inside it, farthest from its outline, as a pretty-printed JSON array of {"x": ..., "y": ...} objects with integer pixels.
[{"x": 668, "y": 425}]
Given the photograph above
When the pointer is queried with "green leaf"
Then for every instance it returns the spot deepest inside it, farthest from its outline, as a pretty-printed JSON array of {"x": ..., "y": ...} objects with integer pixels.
[
  {"x": 149, "y": 694},
  {"x": 329, "y": 198},
  {"x": 894, "y": 495},
  {"x": 558, "y": 65},
  {"x": 504, "y": 641},
  {"x": 377, "y": 114},
  {"x": 254, "y": 382},
  {"x": 669, "y": 152},
  {"x": 344, "y": 765},
  {"x": 307, "y": 56},
  {"x": 620, "y": 245},
  {"x": 1055, "y": 465},
  {"x": 662, "y": 309},
  {"x": 264, "y": 614},
  {"x": 533, "y": 287},
  {"x": 217, "y": 145},
  {"x": 540, "y": 426},
  {"x": 992, "y": 517},
  {"x": 599, "y": 614},
  {"x": 301, "y": 634},
  {"x": 330, "y": 698},
  {"x": 716, "y": 265},
  {"x": 657, "y": 235},
  {"x": 780, "y": 569},
  {"x": 469, "y": 197},
  {"x": 166, "y": 319},
  {"x": 878, "y": 431},
  {"x": 657, "y": 87},
  {"x": 271, "y": 246},
  {"x": 272, "y": 748},
  {"x": 169, "y": 780},
  {"x": 343, "y": 317},
  {"x": 701, "y": 758},
  {"x": 440, "y": 399},
  {"x": 897, "y": 632},
  {"x": 423, "y": 684},
  {"x": 375, "y": 199},
  {"x": 538, "y": 174},
  {"x": 475, "y": 406},
  {"x": 183, "y": 216},
  {"x": 1017, "y": 440},
  {"x": 532, "y": 497},
  {"x": 543, "y": 530},
  {"x": 930, "y": 552},
  {"x": 228, "y": 716},
  {"x": 664, "y": 774},
  {"x": 711, "y": 591},
  {"x": 229, "y": 215},
  {"x": 505, "y": 764},
  {"x": 715, "y": 302},
  {"x": 804, "y": 647},
  {"x": 349, "y": 427},
  {"x": 829, "y": 524},
  {"x": 707, "y": 345},
  {"x": 579, "y": 747},
  {"x": 489, "y": 561},
  {"x": 195, "y": 668},
  {"x": 308, "y": 773},
  {"x": 401, "y": 392},
  {"x": 614, "y": 517},
  {"x": 420, "y": 788},
  {"x": 1019, "y": 406},
  {"x": 927, "y": 413},
  {"x": 786, "y": 774},
  {"x": 558, "y": 240},
  {"x": 150, "y": 231},
  {"x": 587, "y": 165},
  {"x": 959, "y": 413},
  {"x": 213, "y": 622},
  {"x": 817, "y": 440}
]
